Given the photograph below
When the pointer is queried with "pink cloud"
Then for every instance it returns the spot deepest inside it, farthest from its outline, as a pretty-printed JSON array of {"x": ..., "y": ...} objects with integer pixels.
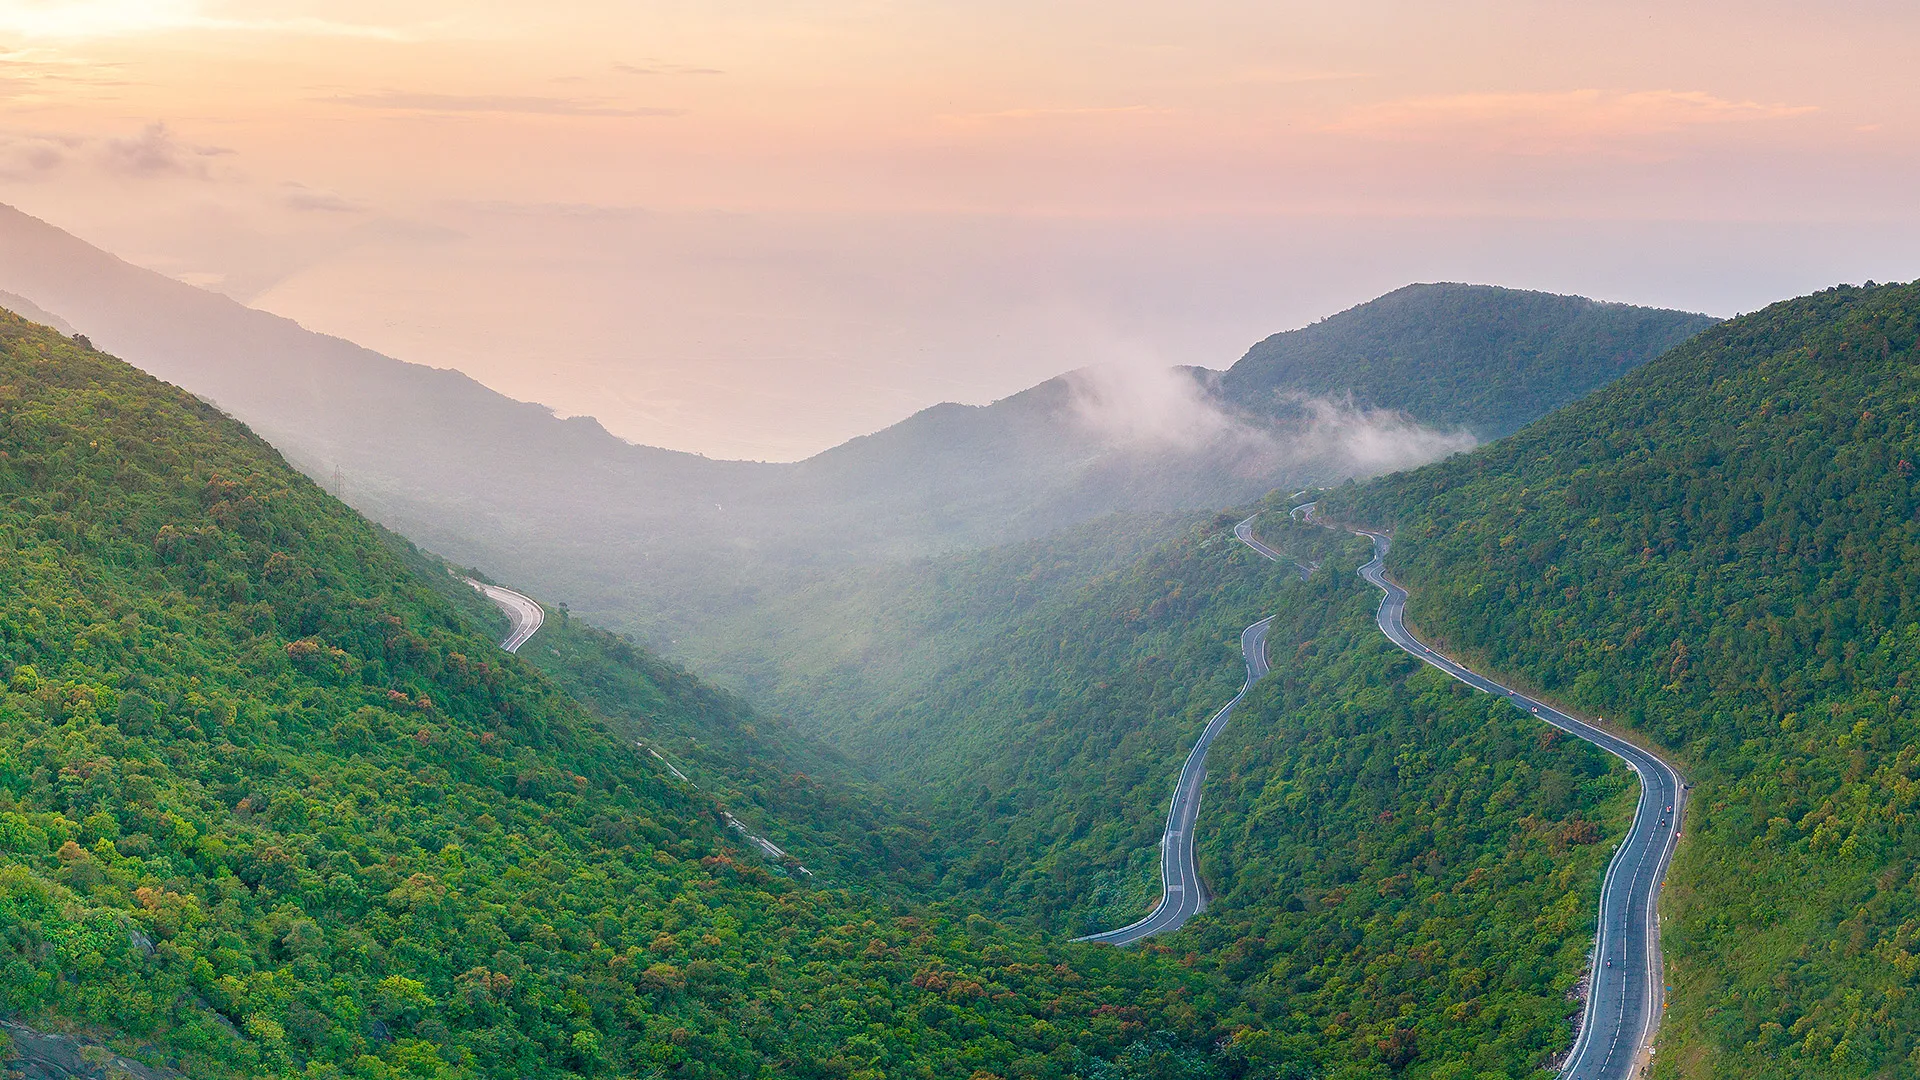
[{"x": 1555, "y": 120}]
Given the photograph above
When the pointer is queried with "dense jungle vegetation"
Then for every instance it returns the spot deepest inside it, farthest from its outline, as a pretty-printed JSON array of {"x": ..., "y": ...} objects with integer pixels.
[
  {"x": 794, "y": 790},
  {"x": 836, "y": 653},
  {"x": 271, "y": 803},
  {"x": 1722, "y": 553},
  {"x": 1047, "y": 753}
]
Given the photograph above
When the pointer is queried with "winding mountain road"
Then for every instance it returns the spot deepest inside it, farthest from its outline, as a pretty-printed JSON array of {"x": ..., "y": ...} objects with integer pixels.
[
  {"x": 524, "y": 613},
  {"x": 1625, "y": 990},
  {"x": 1182, "y": 894}
]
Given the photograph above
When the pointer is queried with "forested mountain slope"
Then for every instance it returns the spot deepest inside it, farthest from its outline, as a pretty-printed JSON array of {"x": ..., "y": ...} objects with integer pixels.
[
  {"x": 1406, "y": 872},
  {"x": 1474, "y": 356},
  {"x": 834, "y": 651},
  {"x": 271, "y": 803},
  {"x": 794, "y": 790},
  {"x": 785, "y": 785},
  {"x": 1722, "y": 553},
  {"x": 1404, "y": 869}
]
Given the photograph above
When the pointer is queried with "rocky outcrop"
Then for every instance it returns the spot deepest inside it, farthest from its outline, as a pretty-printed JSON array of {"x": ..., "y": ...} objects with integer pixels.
[{"x": 42, "y": 1055}]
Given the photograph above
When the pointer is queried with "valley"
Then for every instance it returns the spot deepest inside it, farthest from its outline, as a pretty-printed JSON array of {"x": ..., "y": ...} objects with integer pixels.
[
  {"x": 928, "y": 541},
  {"x": 264, "y": 735},
  {"x": 685, "y": 551}
]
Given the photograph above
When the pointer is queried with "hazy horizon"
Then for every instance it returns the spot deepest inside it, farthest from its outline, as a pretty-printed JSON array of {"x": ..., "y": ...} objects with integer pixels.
[{"x": 755, "y": 231}]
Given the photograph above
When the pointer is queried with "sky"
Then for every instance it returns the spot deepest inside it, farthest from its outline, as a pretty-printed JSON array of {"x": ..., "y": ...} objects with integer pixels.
[{"x": 755, "y": 229}]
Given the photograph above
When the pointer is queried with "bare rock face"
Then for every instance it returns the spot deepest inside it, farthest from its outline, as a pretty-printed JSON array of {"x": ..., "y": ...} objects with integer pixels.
[{"x": 40, "y": 1055}]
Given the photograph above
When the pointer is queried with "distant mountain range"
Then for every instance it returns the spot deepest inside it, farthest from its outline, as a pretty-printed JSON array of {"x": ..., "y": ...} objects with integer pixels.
[{"x": 657, "y": 540}]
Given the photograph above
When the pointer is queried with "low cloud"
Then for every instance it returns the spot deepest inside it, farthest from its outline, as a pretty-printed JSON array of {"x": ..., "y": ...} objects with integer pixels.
[
  {"x": 654, "y": 67},
  {"x": 301, "y": 197},
  {"x": 152, "y": 153},
  {"x": 1354, "y": 441},
  {"x": 1149, "y": 406},
  {"x": 31, "y": 157},
  {"x": 413, "y": 101},
  {"x": 1155, "y": 409},
  {"x": 156, "y": 152},
  {"x": 1554, "y": 120}
]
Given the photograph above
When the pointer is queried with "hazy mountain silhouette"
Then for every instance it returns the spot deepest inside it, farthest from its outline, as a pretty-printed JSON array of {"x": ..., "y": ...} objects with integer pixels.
[
  {"x": 1481, "y": 357},
  {"x": 654, "y": 539}
]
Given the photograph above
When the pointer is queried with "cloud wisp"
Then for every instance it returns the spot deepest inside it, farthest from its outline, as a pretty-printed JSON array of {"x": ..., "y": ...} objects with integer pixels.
[
  {"x": 33, "y": 157},
  {"x": 156, "y": 152},
  {"x": 419, "y": 101},
  {"x": 1156, "y": 409},
  {"x": 1147, "y": 406},
  {"x": 1350, "y": 440},
  {"x": 658, "y": 67},
  {"x": 1546, "y": 122},
  {"x": 297, "y": 196},
  {"x": 1069, "y": 112},
  {"x": 152, "y": 153}
]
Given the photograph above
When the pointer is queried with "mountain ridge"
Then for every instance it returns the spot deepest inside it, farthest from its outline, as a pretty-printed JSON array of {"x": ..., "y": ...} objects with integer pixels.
[
  {"x": 640, "y": 538},
  {"x": 1538, "y": 351}
]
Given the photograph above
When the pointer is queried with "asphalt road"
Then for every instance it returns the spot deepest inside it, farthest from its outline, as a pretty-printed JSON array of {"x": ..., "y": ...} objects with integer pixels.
[
  {"x": 523, "y": 613},
  {"x": 1182, "y": 895},
  {"x": 1625, "y": 994}
]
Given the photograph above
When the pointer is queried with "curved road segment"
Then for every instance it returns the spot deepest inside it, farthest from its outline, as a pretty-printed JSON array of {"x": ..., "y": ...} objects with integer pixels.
[
  {"x": 523, "y": 612},
  {"x": 1182, "y": 896},
  {"x": 1625, "y": 993}
]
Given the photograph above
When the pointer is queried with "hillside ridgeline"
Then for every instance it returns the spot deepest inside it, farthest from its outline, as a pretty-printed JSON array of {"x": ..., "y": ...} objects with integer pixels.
[
  {"x": 1721, "y": 552},
  {"x": 1473, "y": 356}
]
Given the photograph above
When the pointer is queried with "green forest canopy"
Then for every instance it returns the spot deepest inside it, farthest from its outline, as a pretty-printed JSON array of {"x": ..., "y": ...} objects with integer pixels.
[
  {"x": 1722, "y": 552},
  {"x": 271, "y": 802}
]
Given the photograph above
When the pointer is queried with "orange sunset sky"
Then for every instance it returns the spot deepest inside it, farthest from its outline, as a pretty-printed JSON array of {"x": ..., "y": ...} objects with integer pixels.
[{"x": 756, "y": 229}]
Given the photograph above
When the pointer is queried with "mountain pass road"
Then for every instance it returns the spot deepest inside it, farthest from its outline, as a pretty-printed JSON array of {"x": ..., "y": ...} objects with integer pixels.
[
  {"x": 1182, "y": 896},
  {"x": 1625, "y": 993},
  {"x": 524, "y": 614}
]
